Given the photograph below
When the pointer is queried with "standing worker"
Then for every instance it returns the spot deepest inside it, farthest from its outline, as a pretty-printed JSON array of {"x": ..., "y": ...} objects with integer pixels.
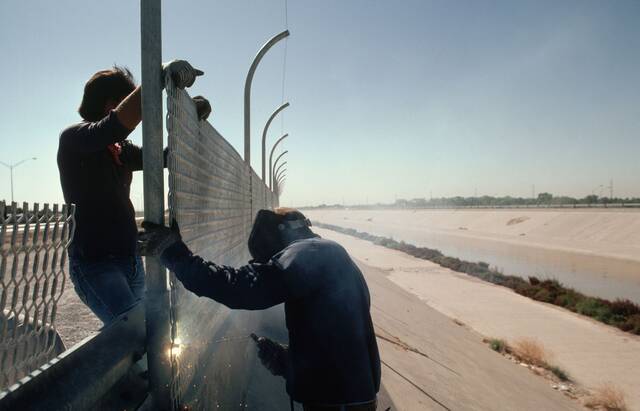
[
  {"x": 332, "y": 361},
  {"x": 96, "y": 163}
]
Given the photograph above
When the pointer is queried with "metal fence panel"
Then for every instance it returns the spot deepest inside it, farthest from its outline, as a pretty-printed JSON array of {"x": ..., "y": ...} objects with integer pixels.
[
  {"x": 214, "y": 196},
  {"x": 33, "y": 244}
]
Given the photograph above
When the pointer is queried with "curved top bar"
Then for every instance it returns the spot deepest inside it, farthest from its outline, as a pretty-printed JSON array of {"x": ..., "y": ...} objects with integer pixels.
[
  {"x": 271, "y": 157},
  {"x": 247, "y": 92},
  {"x": 282, "y": 174},
  {"x": 264, "y": 137},
  {"x": 280, "y": 166},
  {"x": 275, "y": 163},
  {"x": 281, "y": 178},
  {"x": 281, "y": 185}
]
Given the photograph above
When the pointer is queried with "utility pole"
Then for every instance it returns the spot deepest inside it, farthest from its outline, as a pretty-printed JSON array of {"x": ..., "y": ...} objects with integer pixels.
[
  {"x": 611, "y": 189},
  {"x": 11, "y": 167}
]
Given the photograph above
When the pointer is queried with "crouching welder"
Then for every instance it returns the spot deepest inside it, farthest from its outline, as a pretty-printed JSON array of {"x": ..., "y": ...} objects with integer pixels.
[{"x": 332, "y": 361}]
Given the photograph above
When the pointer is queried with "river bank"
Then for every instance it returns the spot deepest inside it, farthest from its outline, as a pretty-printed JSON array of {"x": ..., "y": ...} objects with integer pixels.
[
  {"x": 592, "y": 353},
  {"x": 594, "y": 251}
]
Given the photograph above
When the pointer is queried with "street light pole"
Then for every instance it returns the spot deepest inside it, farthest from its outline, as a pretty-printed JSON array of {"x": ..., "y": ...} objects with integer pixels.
[
  {"x": 279, "y": 167},
  {"x": 271, "y": 158},
  {"x": 11, "y": 167},
  {"x": 280, "y": 180},
  {"x": 264, "y": 138},
  {"x": 279, "y": 177},
  {"x": 273, "y": 169},
  {"x": 247, "y": 92}
]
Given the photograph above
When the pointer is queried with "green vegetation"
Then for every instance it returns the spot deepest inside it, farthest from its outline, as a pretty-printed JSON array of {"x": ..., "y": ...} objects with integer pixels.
[
  {"x": 623, "y": 314},
  {"x": 498, "y": 345},
  {"x": 559, "y": 372}
]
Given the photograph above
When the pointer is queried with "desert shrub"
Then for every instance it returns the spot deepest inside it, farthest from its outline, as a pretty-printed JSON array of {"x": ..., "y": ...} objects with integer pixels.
[
  {"x": 607, "y": 397},
  {"x": 530, "y": 351},
  {"x": 568, "y": 299},
  {"x": 553, "y": 288},
  {"x": 526, "y": 289},
  {"x": 543, "y": 295},
  {"x": 631, "y": 324},
  {"x": 624, "y": 308},
  {"x": 534, "y": 280},
  {"x": 594, "y": 307}
]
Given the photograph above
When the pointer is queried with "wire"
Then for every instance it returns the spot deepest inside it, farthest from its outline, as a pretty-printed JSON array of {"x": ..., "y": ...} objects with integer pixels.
[
  {"x": 286, "y": 15},
  {"x": 284, "y": 76},
  {"x": 284, "y": 61}
]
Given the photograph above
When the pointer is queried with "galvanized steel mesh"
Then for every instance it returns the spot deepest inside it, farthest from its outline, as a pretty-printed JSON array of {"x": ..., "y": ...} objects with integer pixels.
[
  {"x": 33, "y": 244},
  {"x": 214, "y": 196}
]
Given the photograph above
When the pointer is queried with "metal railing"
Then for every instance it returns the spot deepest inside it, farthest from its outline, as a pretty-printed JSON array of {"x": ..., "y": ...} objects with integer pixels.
[{"x": 33, "y": 244}]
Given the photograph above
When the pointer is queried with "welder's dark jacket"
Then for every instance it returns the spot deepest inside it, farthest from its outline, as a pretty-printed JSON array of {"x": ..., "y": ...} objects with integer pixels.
[{"x": 332, "y": 344}]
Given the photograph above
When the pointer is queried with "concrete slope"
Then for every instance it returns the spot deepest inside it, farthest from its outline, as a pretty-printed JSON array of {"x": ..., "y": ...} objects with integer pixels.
[
  {"x": 592, "y": 353},
  {"x": 431, "y": 363}
]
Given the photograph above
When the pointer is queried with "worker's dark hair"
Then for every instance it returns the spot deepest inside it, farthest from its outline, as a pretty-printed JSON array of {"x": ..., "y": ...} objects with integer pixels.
[
  {"x": 113, "y": 84},
  {"x": 274, "y": 230}
]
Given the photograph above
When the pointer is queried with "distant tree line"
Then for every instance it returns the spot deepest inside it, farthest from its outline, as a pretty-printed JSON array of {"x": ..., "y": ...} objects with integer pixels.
[
  {"x": 547, "y": 199},
  {"x": 490, "y": 201},
  {"x": 543, "y": 199}
]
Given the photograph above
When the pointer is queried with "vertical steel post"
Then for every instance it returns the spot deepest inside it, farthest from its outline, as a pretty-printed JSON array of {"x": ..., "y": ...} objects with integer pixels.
[
  {"x": 271, "y": 158},
  {"x": 247, "y": 93},
  {"x": 275, "y": 164},
  {"x": 11, "y": 176},
  {"x": 264, "y": 138},
  {"x": 157, "y": 295}
]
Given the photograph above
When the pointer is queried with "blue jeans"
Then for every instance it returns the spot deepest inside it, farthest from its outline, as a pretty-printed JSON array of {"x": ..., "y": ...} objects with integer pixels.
[{"x": 109, "y": 286}]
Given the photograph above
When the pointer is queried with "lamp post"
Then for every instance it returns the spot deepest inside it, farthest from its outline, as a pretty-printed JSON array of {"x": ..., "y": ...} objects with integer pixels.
[
  {"x": 247, "y": 92},
  {"x": 275, "y": 164},
  {"x": 11, "y": 167},
  {"x": 271, "y": 157},
  {"x": 264, "y": 137}
]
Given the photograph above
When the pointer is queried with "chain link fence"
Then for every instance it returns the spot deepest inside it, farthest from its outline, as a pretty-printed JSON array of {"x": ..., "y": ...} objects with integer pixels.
[
  {"x": 214, "y": 196},
  {"x": 33, "y": 244}
]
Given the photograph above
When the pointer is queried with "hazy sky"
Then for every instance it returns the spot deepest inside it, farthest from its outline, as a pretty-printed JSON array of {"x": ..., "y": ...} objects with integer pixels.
[{"x": 388, "y": 98}]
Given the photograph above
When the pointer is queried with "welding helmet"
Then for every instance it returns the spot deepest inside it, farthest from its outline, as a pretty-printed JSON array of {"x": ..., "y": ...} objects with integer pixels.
[{"x": 274, "y": 230}]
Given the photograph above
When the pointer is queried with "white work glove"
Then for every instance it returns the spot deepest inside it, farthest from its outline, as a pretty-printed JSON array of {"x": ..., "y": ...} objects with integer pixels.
[{"x": 182, "y": 73}]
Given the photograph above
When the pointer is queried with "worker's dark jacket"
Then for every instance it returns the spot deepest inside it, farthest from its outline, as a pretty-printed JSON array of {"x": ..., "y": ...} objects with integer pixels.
[
  {"x": 333, "y": 351},
  {"x": 98, "y": 185}
]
